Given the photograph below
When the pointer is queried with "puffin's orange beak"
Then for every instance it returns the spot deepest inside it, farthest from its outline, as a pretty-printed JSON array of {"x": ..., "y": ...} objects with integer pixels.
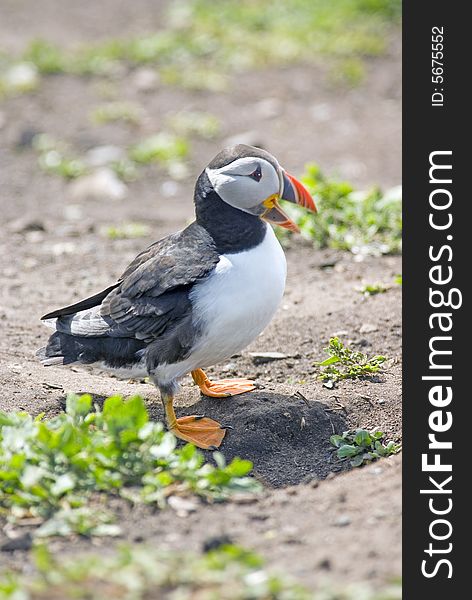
[{"x": 293, "y": 191}]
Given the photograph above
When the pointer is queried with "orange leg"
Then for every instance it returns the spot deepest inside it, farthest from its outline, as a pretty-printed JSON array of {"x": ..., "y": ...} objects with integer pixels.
[
  {"x": 200, "y": 431},
  {"x": 221, "y": 388}
]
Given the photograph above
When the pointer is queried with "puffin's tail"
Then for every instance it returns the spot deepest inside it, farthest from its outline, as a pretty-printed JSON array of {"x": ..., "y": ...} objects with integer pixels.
[{"x": 64, "y": 349}]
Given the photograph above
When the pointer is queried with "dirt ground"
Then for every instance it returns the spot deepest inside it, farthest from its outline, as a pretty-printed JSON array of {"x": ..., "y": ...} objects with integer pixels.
[{"x": 326, "y": 525}]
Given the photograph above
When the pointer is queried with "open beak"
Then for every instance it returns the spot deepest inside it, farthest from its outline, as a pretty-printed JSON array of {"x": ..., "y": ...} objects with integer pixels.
[{"x": 293, "y": 191}]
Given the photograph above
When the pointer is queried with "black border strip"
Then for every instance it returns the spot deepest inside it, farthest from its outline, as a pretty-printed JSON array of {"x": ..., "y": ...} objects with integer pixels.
[{"x": 429, "y": 128}]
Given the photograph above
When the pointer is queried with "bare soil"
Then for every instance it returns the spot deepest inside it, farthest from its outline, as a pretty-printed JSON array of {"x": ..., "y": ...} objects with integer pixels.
[{"x": 327, "y": 524}]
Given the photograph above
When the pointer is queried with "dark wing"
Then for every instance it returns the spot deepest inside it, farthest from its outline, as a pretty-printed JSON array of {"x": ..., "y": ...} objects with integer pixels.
[
  {"x": 81, "y": 305},
  {"x": 152, "y": 293}
]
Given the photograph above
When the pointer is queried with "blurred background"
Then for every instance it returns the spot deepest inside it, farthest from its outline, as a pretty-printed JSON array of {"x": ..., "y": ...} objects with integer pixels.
[{"x": 133, "y": 99}]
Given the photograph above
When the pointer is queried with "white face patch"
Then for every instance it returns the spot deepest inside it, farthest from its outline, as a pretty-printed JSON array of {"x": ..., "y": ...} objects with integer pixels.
[{"x": 234, "y": 184}]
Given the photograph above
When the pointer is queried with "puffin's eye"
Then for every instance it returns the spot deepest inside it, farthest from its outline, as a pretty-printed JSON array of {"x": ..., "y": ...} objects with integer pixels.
[{"x": 257, "y": 174}]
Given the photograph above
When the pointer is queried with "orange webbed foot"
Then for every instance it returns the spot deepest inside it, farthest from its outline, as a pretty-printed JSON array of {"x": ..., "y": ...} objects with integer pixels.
[
  {"x": 222, "y": 388},
  {"x": 200, "y": 431}
]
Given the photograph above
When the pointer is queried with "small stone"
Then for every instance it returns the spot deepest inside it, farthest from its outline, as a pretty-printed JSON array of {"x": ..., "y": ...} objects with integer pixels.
[
  {"x": 62, "y": 248},
  {"x": 368, "y": 328},
  {"x": 22, "y": 542},
  {"x": 103, "y": 184},
  {"x": 245, "y": 499},
  {"x": 269, "y": 108},
  {"x": 101, "y": 156},
  {"x": 26, "y": 224},
  {"x": 26, "y": 137},
  {"x": 215, "y": 542},
  {"x": 228, "y": 368},
  {"x": 73, "y": 212},
  {"x": 325, "y": 564},
  {"x": 170, "y": 189},
  {"x": 34, "y": 237},
  {"x": 145, "y": 79},
  {"x": 182, "y": 506},
  {"x": 22, "y": 77},
  {"x": 342, "y": 521},
  {"x": 178, "y": 170},
  {"x": 259, "y": 358}
]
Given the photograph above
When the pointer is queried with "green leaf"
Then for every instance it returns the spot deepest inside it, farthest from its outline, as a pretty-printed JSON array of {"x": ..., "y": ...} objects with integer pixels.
[
  {"x": 329, "y": 361},
  {"x": 362, "y": 438},
  {"x": 78, "y": 406},
  {"x": 357, "y": 461},
  {"x": 239, "y": 467},
  {"x": 347, "y": 451},
  {"x": 63, "y": 484},
  {"x": 336, "y": 440}
]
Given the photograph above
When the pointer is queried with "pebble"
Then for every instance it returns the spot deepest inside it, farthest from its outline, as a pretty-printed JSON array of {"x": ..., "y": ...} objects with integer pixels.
[
  {"x": 25, "y": 224},
  {"x": 25, "y": 137},
  {"x": 342, "y": 521},
  {"x": 245, "y": 499},
  {"x": 22, "y": 542},
  {"x": 259, "y": 358},
  {"x": 213, "y": 543},
  {"x": 145, "y": 79},
  {"x": 103, "y": 184},
  {"x": 101, "y": 156},
  {"x": 229, "y": 368},
  {"x": 73, "y": 212},
  {"x": 368, "y": 328},
  {"x": 269, "y": 108},
  {"x": 182, "y": 506},
  {"x": 170, "y": 189},
  {"x": 21, "y": 77},
  {"x": 62, "y": 248}
]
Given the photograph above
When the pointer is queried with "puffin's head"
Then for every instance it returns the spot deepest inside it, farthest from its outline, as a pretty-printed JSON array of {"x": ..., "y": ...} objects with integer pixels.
[{"x": 252, "y": 180}]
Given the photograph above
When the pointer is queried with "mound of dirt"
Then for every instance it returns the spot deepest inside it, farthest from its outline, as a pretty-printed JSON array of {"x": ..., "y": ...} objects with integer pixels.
[{"x": 286, "y": 438}]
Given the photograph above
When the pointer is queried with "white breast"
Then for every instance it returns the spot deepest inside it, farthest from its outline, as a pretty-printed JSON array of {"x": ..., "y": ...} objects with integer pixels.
[{"x": 233, "y": 306}]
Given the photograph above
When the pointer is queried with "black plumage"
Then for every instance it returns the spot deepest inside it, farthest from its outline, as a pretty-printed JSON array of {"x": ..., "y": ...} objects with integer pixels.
[{"x": 147, "y": 309}]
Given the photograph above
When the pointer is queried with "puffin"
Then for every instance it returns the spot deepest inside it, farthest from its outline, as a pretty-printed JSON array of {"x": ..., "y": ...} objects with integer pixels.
[{"x": 194, "y": 298}]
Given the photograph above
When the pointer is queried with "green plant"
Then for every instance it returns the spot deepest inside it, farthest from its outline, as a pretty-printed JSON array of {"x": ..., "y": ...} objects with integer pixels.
[
  {"x": 126, "y": 112},
  {"x": 125, "y": 231},
  {"x": 202, "y": 41},
  {"x": 48, "y": 58},
  {"x": 51, "y": 469},
  {"x": 362, "y": 446},
  {"x": 195, "y": 123},
  {"x": 54, "y": 159},
  {"x": 162, "y": 147},
  {"x": 372, "y": 289},
  {"x": 228, "y": 572},
  {"x": 344, "y": 363},
  {"x": 362, "y": 222}
]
